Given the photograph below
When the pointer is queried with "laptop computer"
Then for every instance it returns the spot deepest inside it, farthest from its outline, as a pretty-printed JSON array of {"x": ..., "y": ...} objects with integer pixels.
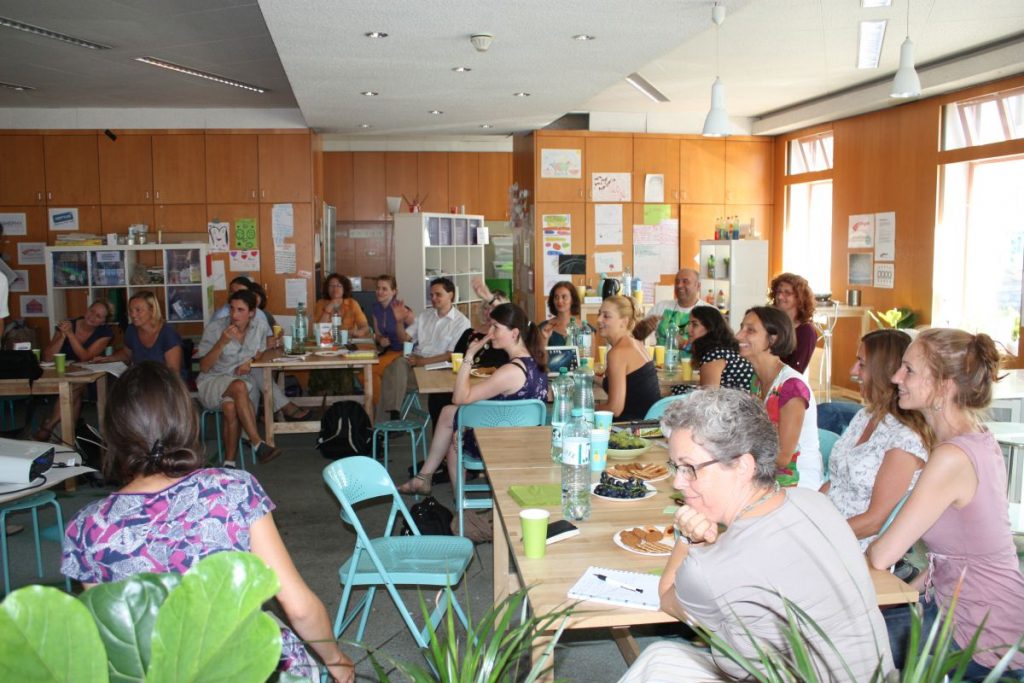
[{"x": 562, "y": 357}]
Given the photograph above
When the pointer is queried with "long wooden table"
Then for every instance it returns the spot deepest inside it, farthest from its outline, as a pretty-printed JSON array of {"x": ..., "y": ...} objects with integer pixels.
[
  {"x": 522, "y": 456},
  {"x": 277, "y": 360}
]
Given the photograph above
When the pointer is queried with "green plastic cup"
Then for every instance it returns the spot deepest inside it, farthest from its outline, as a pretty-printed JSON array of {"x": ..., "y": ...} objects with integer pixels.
[
  {"x": 535, "y": 531},
  {"x": 36, "y": 351},
  {"x": 59, "y": 363}
]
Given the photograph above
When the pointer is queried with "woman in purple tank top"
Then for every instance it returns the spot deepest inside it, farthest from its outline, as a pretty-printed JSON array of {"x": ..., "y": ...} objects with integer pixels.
[{"x": 959, "y": 507}]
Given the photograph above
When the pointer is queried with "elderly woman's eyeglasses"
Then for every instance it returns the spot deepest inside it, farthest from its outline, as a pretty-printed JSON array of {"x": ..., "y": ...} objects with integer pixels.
[{"x": 689, "y": 471}]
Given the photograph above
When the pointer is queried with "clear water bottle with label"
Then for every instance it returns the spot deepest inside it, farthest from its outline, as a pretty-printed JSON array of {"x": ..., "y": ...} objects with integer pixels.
[
  {"x": 572, "y": 333},
  {"x": 627, "y": 282},
  {"x": 671, "y": 349},
  {"x": 583, "y": 394},
  {"x": 336, "y": 324},
  {"x": 301, "y": 325},
  {"x": 576, "y": 468},
  {"x": 586, "y": 339},
  {"x": 561, "y": 411}
]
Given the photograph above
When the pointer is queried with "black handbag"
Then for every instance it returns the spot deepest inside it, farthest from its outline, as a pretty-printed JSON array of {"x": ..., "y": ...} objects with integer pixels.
[{"x": 19, "y": 365}]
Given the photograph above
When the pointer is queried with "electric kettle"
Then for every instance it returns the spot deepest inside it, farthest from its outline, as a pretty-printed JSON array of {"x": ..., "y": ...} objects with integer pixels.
[{"x": 610, "y": 287}]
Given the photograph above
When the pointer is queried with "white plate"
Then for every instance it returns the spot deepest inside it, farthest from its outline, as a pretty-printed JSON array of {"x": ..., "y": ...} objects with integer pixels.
[
  {"x": 483, "y": 375},
  {"x": 47, "y": 364},
  {"x": 670, "y": 541},
  {"x": 329, "y": 353},
  {"x": 650, "y": 492}
]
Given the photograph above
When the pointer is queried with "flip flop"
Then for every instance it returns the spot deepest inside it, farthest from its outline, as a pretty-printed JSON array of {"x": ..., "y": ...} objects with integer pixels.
[{"x": 300, "y": 416}]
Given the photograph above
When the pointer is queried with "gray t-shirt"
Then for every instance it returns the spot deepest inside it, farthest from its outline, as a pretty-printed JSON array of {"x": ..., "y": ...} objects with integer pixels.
[
  {"x": 803, "y": 551},
  {"x": 233, "y": 354}
]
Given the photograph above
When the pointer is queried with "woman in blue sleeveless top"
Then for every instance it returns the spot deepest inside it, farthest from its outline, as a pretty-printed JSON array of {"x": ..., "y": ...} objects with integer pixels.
[{"x": 523, "y": 377}]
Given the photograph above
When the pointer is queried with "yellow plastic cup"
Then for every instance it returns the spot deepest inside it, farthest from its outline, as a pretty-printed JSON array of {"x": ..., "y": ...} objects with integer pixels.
[
  {"x": 456, "y": 362},
  {"x": 602, "y": 354},
  {"x": 60, "y": 363},
  {"x": 535, "y": 531},
  {"x": 686, "y": 369},
  {"x": 659, "y": 356}
]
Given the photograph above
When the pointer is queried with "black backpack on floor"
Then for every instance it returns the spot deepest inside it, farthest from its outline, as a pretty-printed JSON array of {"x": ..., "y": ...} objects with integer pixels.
[{"x": 345, "y": 430}]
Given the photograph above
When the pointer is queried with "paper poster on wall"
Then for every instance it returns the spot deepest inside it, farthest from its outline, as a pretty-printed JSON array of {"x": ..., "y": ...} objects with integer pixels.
[
  {"x": 31, "y": 253},
  {"x": 63, "y": 219},
  {"x": 218, "y": 231},
  {"x": 611, "y": 187},
  {"x": 284, "y": 259},
  {"x": 885, "y": 275},
  {"x": 245, "y": 260},
  {"x": 654, "y": 188},
  {"x": 14, "y": 224},
  {"x": 860, "y": 270},
  {"x": 557, "y": 234},
  {"x": 282, "y": 222},
  {"x": 861, "y": 234},
  {"x": 885, "y": 236},
  {"x": 218, "y": 278},
  {"x": 294, "y": 292},
  {"x": 561, "y": 163},
  {"x": 245, "y": 233},
  {"x": 608, "y": 262},
  {"x": 32, "y": 306},
  {"x": 656, "y": 213},
  {"x": 607, "y": 223},
  {"x": 20, "y": 282}
]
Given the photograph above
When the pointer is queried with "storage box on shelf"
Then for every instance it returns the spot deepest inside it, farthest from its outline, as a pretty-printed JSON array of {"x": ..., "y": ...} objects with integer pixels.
[
  {"x": 437, "y": 245},
  {"x": 175, "y": 273},
  {"x": 735, "y": 275}
]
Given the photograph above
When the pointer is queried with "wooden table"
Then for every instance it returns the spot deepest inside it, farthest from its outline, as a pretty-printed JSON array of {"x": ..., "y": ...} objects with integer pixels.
[
  {"x": 522, "y": 456},
  {"x": 276, "y": 360}
]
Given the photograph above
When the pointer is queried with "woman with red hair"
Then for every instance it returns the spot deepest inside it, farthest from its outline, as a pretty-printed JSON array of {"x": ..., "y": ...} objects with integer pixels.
[{"x": 792, "y": 295}]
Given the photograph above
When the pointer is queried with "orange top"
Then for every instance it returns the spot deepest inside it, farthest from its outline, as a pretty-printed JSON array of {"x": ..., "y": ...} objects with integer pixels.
[{"x": 352, "y": 316}]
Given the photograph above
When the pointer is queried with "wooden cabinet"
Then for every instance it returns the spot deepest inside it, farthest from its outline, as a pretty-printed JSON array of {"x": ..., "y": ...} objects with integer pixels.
[
  {"x": 338, "y": 184},
  {"x": 285, "y": 168},
  {"x": 274, "y": 282},
  {"x": 117, "y": 217},
  {"x": 463, "y": 181},
  {"x": 696, "y": 223},
  {"x": 401, "y": 176},
  {"x": 495, "y": 179},
  {"x": 566, "y": 158},
  {"x": 232, "y": 168},
  {"x": 748, "y": 172},
  {"x": 126, "y": 169},
  {"x": 179, "y": 169},
  {"x": 368, "y": 186},
  {"x": 432, "y": 181},
  {"x": 180, "y": 218},
  {"x": 656, "y": 155},
  {"x": 72, "y": 170},
  {"x": 607, "y": 154},
  {"x": 22, "y": 174},
  {"x": 701, "y": 171}
]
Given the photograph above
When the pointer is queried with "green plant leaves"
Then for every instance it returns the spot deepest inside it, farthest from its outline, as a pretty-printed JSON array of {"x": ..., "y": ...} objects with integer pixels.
[
  {"x": 47, "y": 635},
  {"x": 211, "y": 626},
  {"x": 125, "y": 613}
]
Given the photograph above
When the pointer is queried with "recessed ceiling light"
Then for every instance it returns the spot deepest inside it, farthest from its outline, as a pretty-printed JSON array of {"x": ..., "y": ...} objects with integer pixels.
[
  {"x": 486, "y": 125},
  {"x": 435, "y": 112},
  {"x": 376, "y": 34},
  {"x": 47, "y": 33},
  {"x": 869, "y": 47},
  {"x": 365, "y": 125},
  {"x": 583, "y": 37},
  {"x": 171, "y": 66},
  {"x": 875, "y": 3},
  {"x": 370, "y": 93},
  {"x": 520, "y": 94},
  {"x": 15, "y": 86},
  {"x": 461, "y": 69}
]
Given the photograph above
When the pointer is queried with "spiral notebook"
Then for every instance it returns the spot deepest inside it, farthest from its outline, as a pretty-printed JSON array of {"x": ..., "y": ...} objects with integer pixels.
[{"x": 618, "y": 587}]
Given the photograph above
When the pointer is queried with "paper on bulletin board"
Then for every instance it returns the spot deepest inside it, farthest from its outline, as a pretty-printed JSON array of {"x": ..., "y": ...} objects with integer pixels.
[
  {"x": 284, "y": 258},
  {"x": 561, "y": 163},
  {"x": 218, "y": 278},
  {"x": 885, "y": 236},
  {"x": 245, "y": 260},
  {"x": 245, "y": 234},
  {"x": 654, "y": 187},
  {"x": 31, "y": 253},
  {"x": 608, "y": 262},
  {"x": 557, "y": 233},
  {"x": 282, "y": 222},
  {"x": 20, "y": 280},
  {"x": 656, "y": 213},
  {"x": 218, "y": 236},
  {"x": 63, "y": 219},
  {"x": 611, "y": 187},
  {"x": 607, "y": 223},
  {"x": 861, "y": 233},
  {"x": 885, "y": 275},
  {"x": 33, "y": 306},
  {"x": 294, "y": 292},
  {"x": 860, "y": 272},
  {"x": 14, "y": 224}
]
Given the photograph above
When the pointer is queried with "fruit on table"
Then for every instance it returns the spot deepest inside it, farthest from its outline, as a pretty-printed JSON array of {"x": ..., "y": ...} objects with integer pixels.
[
  {"x": 610, "y": 487},
  {"x": 624, "y": 441}
]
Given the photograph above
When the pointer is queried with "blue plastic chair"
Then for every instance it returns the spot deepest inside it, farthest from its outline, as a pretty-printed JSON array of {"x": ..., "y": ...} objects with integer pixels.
[
  {"x": 895, "y": 511},
  {"x": 32, "y": 503},
  {"x": 412, "y": 419},
  {"x": 389, "y": 560},
  {"x": 217, "y": 415},
  {"x": 522, "y": 413},
  {"x": 658, "y": 409},
  {"x": 826, "y": 440}
]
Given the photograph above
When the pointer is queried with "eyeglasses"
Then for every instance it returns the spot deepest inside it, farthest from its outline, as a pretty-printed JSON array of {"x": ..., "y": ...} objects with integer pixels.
[{"x": 689, "y": 471}]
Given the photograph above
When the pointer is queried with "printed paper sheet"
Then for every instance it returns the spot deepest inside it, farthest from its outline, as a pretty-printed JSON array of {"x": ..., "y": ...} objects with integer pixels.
[
  {"x": 245, "y": 260},
  {"x": 608, "y": 223},
  {"x": 885, "y": 236},
  {"x": 611, "y": 187}
]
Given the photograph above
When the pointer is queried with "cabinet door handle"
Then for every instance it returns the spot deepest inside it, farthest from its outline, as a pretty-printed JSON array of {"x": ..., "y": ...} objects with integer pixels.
[
  {"x": 581, "y": 192},
  {"x": 39, "y": 196},
  {"x": 263, "y": 194},
  {"x": 254, "y": 194},
  {"x": 158, "y": 194},
  {"x": 675, "y": 193},
  {"x": 49, "y": 195},
  {"x": 147, "y": 194}
]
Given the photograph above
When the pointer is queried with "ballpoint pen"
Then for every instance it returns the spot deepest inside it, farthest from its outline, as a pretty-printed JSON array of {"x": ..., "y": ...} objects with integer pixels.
[{"x": 618, "y": 584}]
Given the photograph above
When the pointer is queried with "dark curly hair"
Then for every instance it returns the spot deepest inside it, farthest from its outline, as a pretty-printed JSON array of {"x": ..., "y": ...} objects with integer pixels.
[
  {"x": 718, "y": 335},
  {"x": 803, "y": 292}
]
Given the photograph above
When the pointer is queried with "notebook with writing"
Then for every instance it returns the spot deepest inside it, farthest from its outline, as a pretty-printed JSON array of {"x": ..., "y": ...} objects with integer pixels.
[{"x": 618, "y": 587}]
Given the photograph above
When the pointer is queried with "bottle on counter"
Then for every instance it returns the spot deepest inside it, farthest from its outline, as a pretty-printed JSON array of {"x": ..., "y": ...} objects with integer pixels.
[
  {"x": 627, "y": 282},
  {"x": 561, "y": 410},
  {"x": 301, "y": 325},
  {"x": 711, "y": 266},
  {"x": 586, "y": 339},
  {"x": 583, "y": 394},
  {"x": 576, "y": 468},
  {"x": 720, "y": 301}
]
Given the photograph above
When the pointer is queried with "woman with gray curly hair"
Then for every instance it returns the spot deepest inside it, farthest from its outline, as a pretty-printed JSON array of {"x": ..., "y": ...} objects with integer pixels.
[{"x": 777, "y": 545}]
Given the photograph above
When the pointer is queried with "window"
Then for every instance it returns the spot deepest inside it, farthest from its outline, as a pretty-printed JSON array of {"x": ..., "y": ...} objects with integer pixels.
[
  {"x": 996, "y": 117},
  {"x": 979, "y": 249},
  {"x": 809, "y": 154},
  {"x": 807, "y": 241}
]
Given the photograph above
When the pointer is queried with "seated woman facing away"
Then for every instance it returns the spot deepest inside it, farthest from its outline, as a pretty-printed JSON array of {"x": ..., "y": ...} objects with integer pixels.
[
  {"x": 523, "y": 377},
  {"x": 715, "y": 352},
  {"x": 149, "y": 336},
  {"x": 563, "y": 305},
  {"x": 765, "y": 338},
  {"x": 631, "y": 381},
  {"x": 778, "y": 543},
  {"x": 959, "y": 506},
  {"x": 877, "y": 459},
  {"x": 172, "y": 512}
]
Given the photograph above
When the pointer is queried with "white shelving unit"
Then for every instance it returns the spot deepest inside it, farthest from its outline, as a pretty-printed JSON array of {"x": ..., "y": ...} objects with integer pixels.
[
  {"x": 740, "y": 272},
  {"x": 175, "y": 273},
  {"x": 433, "y": 245}
]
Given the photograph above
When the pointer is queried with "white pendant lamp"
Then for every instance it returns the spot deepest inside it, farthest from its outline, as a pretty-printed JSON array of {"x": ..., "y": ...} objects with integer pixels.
[
  {"x": 716, "y": 123},
  {"x": 906, "y": 83}
]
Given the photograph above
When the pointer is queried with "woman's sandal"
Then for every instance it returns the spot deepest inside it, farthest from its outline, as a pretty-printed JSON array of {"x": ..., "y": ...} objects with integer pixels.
[
  {"x": 299, "y": 415},
  {"x": 43, "y": 435},
  {"x": 410, "y": 488}
]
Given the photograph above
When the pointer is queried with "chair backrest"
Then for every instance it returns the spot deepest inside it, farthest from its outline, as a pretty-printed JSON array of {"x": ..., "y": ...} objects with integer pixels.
[
  {"x": 895, "y": 511},
  {"x": 658, "y": 409},
  {"x": 826, "y": 440},
  {"x": 358, "y": 478},
  {"x": 528, "y": 412}
]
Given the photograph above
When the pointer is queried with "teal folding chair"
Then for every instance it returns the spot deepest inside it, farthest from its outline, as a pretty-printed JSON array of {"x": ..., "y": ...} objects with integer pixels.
[
  {"x": 895, "y": 511},
  {"x": 658, "y": 409},
  {"x": 412, "y": 419},
  {"x": 389, "y": 560},
  {"x": 33, "y": 503},
  {"x": 217, "y": 415},
  {"x": 521, "y": 413},
  {"x": 826, "y": 440}
]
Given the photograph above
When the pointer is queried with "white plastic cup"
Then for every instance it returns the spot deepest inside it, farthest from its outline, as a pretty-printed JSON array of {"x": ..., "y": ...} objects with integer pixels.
[
  {"x": 344, "y": 337},
  {"x": 407, "y": 349},
  {"x": 287, "y": 341}
]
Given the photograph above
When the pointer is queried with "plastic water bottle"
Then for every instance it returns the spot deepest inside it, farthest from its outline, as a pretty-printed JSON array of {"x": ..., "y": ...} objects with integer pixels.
[
  {"x": 586, "y": 339},
  {"x": 576, "y": 468},
  {"x": 300, "y": 326},
  {"x": 572, "y": 333},
  {"x": 336, "y": 325},
  {"x": 671, "y": 349},
  {"x": 561, "y": 410},
  {"x": 583, "y": 396},
  {"x": 627, "y": 282}
]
